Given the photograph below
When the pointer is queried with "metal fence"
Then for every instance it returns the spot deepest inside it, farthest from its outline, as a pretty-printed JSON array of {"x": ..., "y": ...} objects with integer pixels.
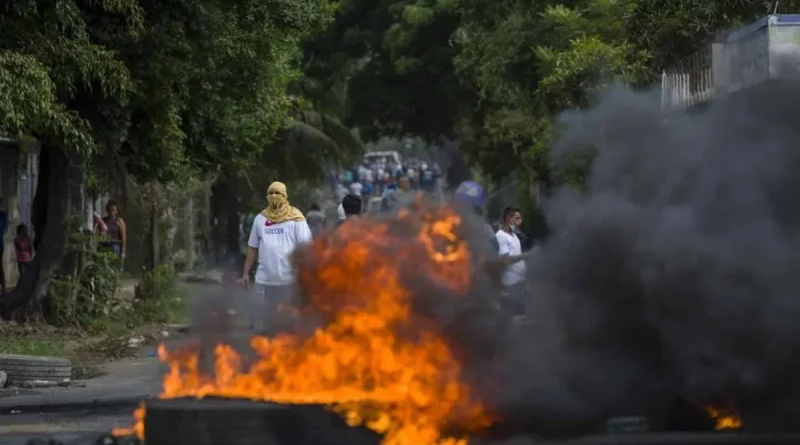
[{"x": 689, "y": 83}]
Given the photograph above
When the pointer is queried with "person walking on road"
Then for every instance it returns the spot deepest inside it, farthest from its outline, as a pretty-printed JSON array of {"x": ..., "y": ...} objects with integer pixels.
[
  {"x": 510, "y": 250},
  {"x": 315, "y": 219},
  {"x": 276, "y": 232},
  {"x": 352, "y": 206}
]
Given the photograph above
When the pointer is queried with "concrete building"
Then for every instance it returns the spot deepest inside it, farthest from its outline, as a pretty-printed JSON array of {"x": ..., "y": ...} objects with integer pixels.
[
  {"x": 738, "y": 59},
  {"x": 19, "y": 174}
]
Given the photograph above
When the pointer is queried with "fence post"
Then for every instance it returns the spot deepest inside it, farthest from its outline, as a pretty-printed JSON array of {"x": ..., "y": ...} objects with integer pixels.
[
  {"x": 190, "y": 235},
  {"x": 720, "y": 69}
]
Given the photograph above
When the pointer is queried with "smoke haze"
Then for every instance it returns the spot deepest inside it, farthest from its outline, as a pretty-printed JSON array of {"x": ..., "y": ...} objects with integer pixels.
[{"x": 677, "y": 271}]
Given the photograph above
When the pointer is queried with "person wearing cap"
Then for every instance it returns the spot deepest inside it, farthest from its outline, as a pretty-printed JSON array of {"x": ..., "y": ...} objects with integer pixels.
[{"x": 471, "y": 194}]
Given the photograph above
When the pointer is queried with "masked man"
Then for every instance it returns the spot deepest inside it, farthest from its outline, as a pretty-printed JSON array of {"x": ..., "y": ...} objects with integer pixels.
[
  {"x": 510, "y": 250},
  {"x": 277, "y": 231}
]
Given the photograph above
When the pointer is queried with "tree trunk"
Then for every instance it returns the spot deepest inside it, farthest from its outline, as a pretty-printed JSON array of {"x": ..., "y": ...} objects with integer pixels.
[
  {"x": 207, "y": 219},
  {"x": 218, "y": 215},
  {"x": 190, "y": 237},
  {"x": 39, "y": 211},
  {"x": 233, "y": 219},
  {"x": 58, "y": 199},
  {"x": 171, "y": 223},
  {"x": 155, "y": 257},
  {"x": 226, "y": 213}
]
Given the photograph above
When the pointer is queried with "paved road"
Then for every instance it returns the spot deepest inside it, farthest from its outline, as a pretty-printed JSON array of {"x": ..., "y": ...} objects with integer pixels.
[
  {"x": 79, "y": 414},
  {"x": 83, "y": 412},
  {"x": 76, "y": 427}
]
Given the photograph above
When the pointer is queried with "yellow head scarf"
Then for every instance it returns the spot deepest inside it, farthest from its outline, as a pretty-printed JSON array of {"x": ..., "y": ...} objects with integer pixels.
[{"x": 279, "y": 209}]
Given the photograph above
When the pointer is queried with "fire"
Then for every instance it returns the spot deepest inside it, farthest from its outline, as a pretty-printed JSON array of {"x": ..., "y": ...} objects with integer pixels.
[
  {"x": 373, "y": 362},
  {"x": 725, "y": 419}
]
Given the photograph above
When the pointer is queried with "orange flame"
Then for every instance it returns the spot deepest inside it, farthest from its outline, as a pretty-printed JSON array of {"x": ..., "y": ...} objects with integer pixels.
[
  {"x": 725, "y": 420},
  {"x": 408, "y": 387}
]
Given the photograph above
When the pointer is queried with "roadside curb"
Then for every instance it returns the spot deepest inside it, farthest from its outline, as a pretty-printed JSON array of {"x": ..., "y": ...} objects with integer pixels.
[{"x": 123, "y": 404}]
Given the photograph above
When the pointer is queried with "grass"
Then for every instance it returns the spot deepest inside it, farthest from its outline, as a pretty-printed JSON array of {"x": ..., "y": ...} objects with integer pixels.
[
  {"x": 103, "y": 341},
  {"x": 53, "y": 347},
  {"x": 178, "y": 308}
]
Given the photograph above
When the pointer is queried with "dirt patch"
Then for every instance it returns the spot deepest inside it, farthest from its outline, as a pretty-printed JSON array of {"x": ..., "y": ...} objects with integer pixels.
[{"x": 87, "y": 352}]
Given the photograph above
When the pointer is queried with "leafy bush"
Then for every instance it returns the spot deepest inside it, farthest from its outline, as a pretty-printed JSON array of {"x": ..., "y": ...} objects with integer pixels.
[
  {"x": 86, "y": 295},
  {"x": 157, "y": 296}
]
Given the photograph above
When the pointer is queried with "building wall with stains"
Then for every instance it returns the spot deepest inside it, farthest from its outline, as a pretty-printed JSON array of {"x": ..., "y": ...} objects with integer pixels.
[{"x": 9, "y": 165}]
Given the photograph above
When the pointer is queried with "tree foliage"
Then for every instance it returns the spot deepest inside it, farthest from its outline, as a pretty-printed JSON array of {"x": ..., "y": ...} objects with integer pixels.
[
  {"x": 495, "y": 74},
  {"x": 160, "y": 91},
  {"x": 397, "y": 57}
]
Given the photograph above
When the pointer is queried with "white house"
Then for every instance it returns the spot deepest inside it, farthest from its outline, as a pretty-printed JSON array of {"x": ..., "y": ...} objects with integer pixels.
[{"x": 738, "y": 59}]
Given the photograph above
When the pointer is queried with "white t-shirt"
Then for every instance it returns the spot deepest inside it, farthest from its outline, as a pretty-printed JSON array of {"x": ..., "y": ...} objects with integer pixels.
[
  {"x": 275, "y": 244},
  {"x": 510, "y": 246},
  {"x": 356, "y": 188}
]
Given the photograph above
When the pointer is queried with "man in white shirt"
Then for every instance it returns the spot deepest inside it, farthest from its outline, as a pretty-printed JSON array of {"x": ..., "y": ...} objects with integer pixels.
[
  {"x": 276, "y": 232},
  {"x": 510, "y": 251}
]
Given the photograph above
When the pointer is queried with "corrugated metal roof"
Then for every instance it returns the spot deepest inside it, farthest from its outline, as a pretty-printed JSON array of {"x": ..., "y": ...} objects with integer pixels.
[
  {"x": 785, "y": 19},
  {"x": 746, "y": 30}
]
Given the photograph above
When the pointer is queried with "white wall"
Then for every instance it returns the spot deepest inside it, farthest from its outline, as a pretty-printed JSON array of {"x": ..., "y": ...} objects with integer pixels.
[{"x": 9, "y": 155}]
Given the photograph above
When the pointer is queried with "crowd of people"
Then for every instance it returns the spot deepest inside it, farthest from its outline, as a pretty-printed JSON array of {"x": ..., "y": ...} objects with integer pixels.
[
  {"x": 280, "y": 228},
  {"x": 385, "y": 177}
]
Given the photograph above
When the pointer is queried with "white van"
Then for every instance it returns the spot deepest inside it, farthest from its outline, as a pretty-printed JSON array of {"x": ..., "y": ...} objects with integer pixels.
[{"x": 382, "y": 157}]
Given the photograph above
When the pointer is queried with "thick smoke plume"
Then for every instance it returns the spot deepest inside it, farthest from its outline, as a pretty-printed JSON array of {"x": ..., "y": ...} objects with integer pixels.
[{"x": 676, "y": 272}]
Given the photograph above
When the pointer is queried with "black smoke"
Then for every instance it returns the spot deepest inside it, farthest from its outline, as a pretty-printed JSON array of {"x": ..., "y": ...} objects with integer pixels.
[{"x": 676, "y": 273}]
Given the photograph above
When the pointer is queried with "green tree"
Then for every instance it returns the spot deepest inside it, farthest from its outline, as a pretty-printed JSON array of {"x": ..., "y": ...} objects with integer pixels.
[
  {"x": 529, "y": 64},
  {"x": 315, "y": 138},
  {"x": 397, "y": 57},
  {"x": 55, "y": 79},
  {"x": 160, "y": 91},
  {"x": 673, "y": 29}
]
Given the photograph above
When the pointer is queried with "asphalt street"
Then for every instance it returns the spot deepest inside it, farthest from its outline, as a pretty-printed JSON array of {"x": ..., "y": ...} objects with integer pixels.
[
  {"x": 86, "y": 410},
  {"x": 81, "y": 413}
]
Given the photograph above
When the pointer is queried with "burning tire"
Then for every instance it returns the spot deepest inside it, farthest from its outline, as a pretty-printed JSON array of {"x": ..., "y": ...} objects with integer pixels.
[
  {"x": 22, "y": 369},
  {"x": 244, "y": 422}
]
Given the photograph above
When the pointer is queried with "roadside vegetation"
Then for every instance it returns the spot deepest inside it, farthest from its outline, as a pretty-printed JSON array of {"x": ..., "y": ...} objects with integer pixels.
[
  {"x": 89, "y": 321},
  {"x": 185, "y": 126}
]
